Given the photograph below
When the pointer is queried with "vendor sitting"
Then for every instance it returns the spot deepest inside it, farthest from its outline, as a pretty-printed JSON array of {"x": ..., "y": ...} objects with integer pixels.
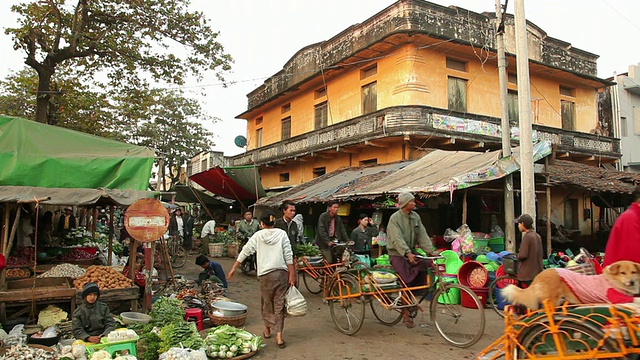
[
  {"x": 92, "y": 320},
  {"x": 212, "y": 271}
]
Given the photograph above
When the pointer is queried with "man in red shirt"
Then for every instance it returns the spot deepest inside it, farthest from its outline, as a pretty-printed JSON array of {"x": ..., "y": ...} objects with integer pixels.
[{"x": 624, "y": 240}]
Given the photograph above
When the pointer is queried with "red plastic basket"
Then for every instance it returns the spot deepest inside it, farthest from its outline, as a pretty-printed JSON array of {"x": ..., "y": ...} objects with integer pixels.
[
  {"x": 468, "y": 302},
  {"x": 473, "y": 274}
]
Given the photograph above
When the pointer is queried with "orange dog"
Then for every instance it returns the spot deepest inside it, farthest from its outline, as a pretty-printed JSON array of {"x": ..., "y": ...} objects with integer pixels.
[{"x": 617, "y": 284}]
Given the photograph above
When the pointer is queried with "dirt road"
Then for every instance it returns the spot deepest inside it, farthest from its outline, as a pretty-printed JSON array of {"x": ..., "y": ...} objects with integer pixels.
[{"x": 314, "y": 336}]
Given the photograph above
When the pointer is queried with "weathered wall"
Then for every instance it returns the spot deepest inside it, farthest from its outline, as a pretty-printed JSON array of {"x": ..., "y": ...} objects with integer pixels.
[
  {"x": 558, "y": 198},
  {"x": 417, "y": 17},
  {"x": 629, "y": 98}
]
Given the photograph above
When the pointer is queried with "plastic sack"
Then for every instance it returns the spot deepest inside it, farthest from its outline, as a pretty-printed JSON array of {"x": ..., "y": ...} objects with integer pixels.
[
  {"x": 496, "y": 232},
  {"x": 51, "y": 331},
  {"x": 450, "y": 235},
  {"x": 16, "y": 336},
  {"x": 295, "y": 303}
]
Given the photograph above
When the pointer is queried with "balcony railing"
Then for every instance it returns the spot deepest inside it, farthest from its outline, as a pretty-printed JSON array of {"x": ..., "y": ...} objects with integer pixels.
[{"x": 425, "y": 121}]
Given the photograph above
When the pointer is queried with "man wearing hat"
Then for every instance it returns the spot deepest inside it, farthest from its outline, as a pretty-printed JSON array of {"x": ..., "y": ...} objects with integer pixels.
[
  {"x": 531, "y": 253},
  {"x": 405, "y": 233},
  {"x": 67, "y": 222},
  {"x": 92, "y": 320}
]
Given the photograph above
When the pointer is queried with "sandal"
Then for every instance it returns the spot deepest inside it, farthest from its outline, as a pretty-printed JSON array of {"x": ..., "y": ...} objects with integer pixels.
[
  {"x": 409, "y": 323},
  {"x": 281, "y": 345},
  {"x": 264, "y": 334}
]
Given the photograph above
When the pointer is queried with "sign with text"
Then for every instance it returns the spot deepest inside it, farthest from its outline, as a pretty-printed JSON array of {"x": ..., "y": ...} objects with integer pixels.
[{"x": 146, "y": 220}]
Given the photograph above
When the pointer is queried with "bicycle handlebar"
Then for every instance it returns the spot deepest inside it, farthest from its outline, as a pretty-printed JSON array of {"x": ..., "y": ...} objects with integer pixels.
[{"x": 430, "y": 257}]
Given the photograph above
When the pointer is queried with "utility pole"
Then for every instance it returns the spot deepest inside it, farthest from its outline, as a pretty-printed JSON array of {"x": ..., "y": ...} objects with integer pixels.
[
  {"x": 527, "y": 184},
  {"x": 509, "y": 231}
]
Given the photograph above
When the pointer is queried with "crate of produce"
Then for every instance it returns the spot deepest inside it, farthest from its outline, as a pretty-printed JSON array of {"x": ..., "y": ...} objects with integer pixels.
[{"x": 114, "y": 347}]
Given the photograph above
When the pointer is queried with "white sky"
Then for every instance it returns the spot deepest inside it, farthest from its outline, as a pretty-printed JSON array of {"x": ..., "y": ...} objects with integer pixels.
[{"x": 262, "y": 35}]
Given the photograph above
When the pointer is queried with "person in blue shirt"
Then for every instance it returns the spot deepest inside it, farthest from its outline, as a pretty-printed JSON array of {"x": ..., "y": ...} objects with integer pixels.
[{"x": 212, "y": 271}]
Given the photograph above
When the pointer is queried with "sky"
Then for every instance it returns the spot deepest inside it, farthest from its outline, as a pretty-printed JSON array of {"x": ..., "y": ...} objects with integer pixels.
[{"x": 262, "y": 36}]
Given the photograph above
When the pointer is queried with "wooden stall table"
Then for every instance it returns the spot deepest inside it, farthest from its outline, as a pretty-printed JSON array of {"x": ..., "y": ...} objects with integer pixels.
[
  {"x": 131, "y": 294},
  {"x": 21, "y": 293}
]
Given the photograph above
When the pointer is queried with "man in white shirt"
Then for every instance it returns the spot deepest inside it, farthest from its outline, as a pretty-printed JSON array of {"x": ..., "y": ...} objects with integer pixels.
[{"x": 208, "y": 229}]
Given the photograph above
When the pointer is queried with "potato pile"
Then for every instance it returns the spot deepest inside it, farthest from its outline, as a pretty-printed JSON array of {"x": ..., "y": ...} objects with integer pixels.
[
  {"x": 18, "y": 273},
  {"x": 106, "y": 277}
]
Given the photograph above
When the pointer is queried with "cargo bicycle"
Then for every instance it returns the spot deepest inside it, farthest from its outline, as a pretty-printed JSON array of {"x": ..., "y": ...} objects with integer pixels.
[
  {"x": 317, "y": 271},
  {"x": 350, "y": 290}
]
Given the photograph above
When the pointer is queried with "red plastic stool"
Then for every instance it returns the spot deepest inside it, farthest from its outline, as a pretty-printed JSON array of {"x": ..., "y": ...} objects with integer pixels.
[{"x": 194, "y": 315}]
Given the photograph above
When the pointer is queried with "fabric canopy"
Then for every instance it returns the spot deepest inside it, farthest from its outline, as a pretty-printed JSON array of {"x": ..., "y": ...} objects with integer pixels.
[
  {"x": 40, "y": 155},
  {"x": 62, "y": 196},
  {"x": 238, "y": 183}
]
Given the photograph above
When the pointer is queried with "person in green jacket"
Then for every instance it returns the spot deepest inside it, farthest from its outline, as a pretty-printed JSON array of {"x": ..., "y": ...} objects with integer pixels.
[{"x": 92, "y": 320}]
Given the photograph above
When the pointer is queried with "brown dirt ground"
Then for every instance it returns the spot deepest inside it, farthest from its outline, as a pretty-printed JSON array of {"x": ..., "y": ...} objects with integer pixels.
[{"x": 315, "y": 336}]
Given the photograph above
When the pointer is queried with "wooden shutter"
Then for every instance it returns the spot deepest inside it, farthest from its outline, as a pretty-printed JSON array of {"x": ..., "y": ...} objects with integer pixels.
[
  {"x": 568, "y": 111},
  {"x": 369, "y": 98},
  {"x": 457, "y": 94}
]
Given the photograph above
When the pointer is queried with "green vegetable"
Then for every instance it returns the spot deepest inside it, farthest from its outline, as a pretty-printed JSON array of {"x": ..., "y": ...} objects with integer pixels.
[
  {"x": 306, "y": 250},
  {"x": 255, "y": 343},
  {"x": 148, "y": 345},
  {"x": 226, "y": 341},
  {"x": 180, "y": 334},
  {"x": 166, "y": 310}
]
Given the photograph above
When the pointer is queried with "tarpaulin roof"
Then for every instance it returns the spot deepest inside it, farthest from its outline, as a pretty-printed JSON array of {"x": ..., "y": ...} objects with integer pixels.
[
  {"x": 41, "y": 155},
  {"x": 185, "y": 194},
  {"x": 437, "y": 172},
  {"x": 237, "y": 183},
  {"x": 63, "y": 196}
]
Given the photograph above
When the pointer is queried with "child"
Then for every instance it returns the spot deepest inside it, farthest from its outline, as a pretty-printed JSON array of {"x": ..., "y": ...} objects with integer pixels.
[
  {"x": 92, "y": 320},
  {"x": 140, "y": 278}
]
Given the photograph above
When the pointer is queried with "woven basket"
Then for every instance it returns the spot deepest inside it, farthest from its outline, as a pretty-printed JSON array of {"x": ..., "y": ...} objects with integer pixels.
[
  {"x": 585, "y": 269},
  {"x": 236, "y": 321}
]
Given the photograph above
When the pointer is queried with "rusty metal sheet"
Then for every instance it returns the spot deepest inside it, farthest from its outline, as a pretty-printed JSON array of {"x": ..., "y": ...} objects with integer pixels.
[{"x": 146, "y": 220}]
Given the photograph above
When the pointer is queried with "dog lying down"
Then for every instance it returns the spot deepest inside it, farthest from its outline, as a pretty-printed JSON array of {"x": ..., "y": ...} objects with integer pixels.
[{"x": 618, "y": 283}]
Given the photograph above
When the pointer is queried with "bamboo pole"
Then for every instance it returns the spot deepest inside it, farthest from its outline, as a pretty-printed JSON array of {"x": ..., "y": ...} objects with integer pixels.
[
  {"x": 5, "y": 228},
  {"x": 9, "y": 244},
  {"x": 464, "y": 208},
  {"x": 548, "y": 193},
  {"x": 110, "y": 256}
]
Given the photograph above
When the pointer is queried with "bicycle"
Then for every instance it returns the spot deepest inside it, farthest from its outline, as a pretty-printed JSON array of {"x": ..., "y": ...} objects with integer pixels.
[
  {"x": 350, "y": 290},
  {"x": 316, "y": 272},
  {"x": 176, "y": 251},
  {"x": 510, "y": 267}
]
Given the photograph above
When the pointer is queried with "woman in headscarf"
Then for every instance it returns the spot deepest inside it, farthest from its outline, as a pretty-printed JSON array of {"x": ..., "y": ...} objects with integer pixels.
[{"x": 275, "y": 272}]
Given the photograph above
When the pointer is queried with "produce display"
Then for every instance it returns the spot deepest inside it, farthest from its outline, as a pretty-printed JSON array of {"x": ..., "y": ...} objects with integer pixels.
[
  {"x": 186, "y": 292},
  {"x": 106, "y": 277},
  {"x": 180, "y": 334},
  {"x": 18, "y": 273},
  {"x": 166, "y": 310},
  {"x": 19, "y": 261},
  {"x": 122, "y": 335},
  {"x": 23, "y": 352},
  {"x": 306, "y": 250},
  {"x": 185, "y": 354},
  {"x": 77, "y": 254},
  {"x": 226, "y": 342},
  {"x": 51, "y": 315},
  {"x": 64, "y": 270}
]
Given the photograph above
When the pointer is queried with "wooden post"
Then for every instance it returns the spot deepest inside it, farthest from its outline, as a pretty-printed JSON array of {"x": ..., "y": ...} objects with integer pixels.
[
  {"x": 3, "y": 241},
  {"x": 464, "y": 208},
  {"x": 593, "y": 235},
  {"x": 110, "y": 256},
  {"x": 548, "y": 193},
  {"x": 148, "y": 264},
  {"x": 168, "y": 260},
  {"x": 94, "y": 222},
  {"x": 9, "y": 244}
]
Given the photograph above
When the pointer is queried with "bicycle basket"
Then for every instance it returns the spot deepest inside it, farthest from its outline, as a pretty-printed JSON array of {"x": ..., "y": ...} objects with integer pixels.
[
  {"x": 585, "y": 269},
  {"x": 510, "y": 266}
]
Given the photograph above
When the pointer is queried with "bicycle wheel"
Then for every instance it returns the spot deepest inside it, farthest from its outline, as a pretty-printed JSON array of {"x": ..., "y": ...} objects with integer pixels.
[
  {"x": 574, "y": 338},
  {"x": 386, "y": 315},
  {"x": 499, "y": 283},
  {"x": 179, "y": 257},
  {"x": 460, "y": 326},
  {"x": 347, "y": 314},
  {"x": 314, "y": 285}
]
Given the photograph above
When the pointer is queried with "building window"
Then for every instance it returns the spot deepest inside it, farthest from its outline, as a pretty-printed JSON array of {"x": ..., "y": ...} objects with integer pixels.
[
  {"x": 319, "y": 171},
  {"x": 456, "y": 64},
  {"x": 623, "y": 127},
  {"x": 259, "y": 120},
  {"x": 259, "y": 137},
  {"x": 284, "y": 177},
  {"x": 203, "y": 165},
  {"x": 369, "y": 162},
  {"x": 567, "y": 91},
  {"x": 369, "y": 98},
  {"x": 286, "y": 128},
  {"x": 321, "y": 115},
  {"x": 571, "y": 214},
  {"x": 286, "y": 108},
  {"x": 320, "y": 93},
  {"x": 512, "y": 105},
  {"x": 457, "y": 94},
  {"x": 368, "y": 71},
  {"x": 568, "y": 111},
  {"x": 512, "y": 78}
]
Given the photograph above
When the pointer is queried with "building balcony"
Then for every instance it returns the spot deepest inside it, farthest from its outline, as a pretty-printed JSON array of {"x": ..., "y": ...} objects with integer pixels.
[{"x": 426, "y": 127}]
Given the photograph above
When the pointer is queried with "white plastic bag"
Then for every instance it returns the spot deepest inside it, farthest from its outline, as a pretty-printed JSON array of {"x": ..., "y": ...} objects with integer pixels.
[{"x": 295, "y": 303}]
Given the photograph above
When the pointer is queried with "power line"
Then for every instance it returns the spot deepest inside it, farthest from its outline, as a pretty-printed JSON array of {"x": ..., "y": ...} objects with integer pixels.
[{"x": 621, "y": 14}]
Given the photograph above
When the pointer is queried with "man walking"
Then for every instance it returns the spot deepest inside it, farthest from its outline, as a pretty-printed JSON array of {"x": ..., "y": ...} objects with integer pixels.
[{"x": 286, "y": 222}]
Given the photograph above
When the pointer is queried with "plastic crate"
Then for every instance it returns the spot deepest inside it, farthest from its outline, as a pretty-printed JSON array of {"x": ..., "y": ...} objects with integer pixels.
[
  {"x": 113, "y": 347},
  {"x": 497, "y": 244},
  {"x": 480, "y": 244}
]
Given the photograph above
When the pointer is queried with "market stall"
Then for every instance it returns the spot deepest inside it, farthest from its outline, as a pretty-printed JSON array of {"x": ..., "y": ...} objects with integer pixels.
[{"x": 43, "y": 164}]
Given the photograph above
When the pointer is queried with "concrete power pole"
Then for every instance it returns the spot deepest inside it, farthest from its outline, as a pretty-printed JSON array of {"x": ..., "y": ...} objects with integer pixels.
[
  {"x": 527, "y": 184},
  {"x": 510, "y": 231}
]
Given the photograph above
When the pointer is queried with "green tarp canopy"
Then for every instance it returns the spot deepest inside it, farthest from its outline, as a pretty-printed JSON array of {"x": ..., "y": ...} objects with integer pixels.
[{"x": 40, "y": 155}]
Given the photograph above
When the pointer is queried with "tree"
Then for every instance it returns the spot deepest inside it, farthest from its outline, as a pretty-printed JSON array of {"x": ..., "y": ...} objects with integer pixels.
[
  {"x": 130, "y": 41},
  {"x": 172, "y": 130}
]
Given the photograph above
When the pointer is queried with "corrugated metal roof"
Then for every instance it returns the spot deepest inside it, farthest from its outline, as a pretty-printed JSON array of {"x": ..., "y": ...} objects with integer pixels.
[{"x": 343, "y": 180}]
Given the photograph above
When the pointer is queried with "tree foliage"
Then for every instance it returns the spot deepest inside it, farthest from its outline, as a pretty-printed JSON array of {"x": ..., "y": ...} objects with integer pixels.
[{"x": 132, "y": 42}]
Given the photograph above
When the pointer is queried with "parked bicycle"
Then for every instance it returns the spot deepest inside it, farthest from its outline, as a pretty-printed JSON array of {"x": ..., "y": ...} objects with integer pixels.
[
  {"x": 177, "y": 253},
  {"x": 350, "y": 290}
]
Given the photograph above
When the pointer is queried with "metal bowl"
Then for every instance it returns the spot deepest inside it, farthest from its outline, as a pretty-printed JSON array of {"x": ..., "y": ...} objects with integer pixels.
[{"x": 228, "y": 308}]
